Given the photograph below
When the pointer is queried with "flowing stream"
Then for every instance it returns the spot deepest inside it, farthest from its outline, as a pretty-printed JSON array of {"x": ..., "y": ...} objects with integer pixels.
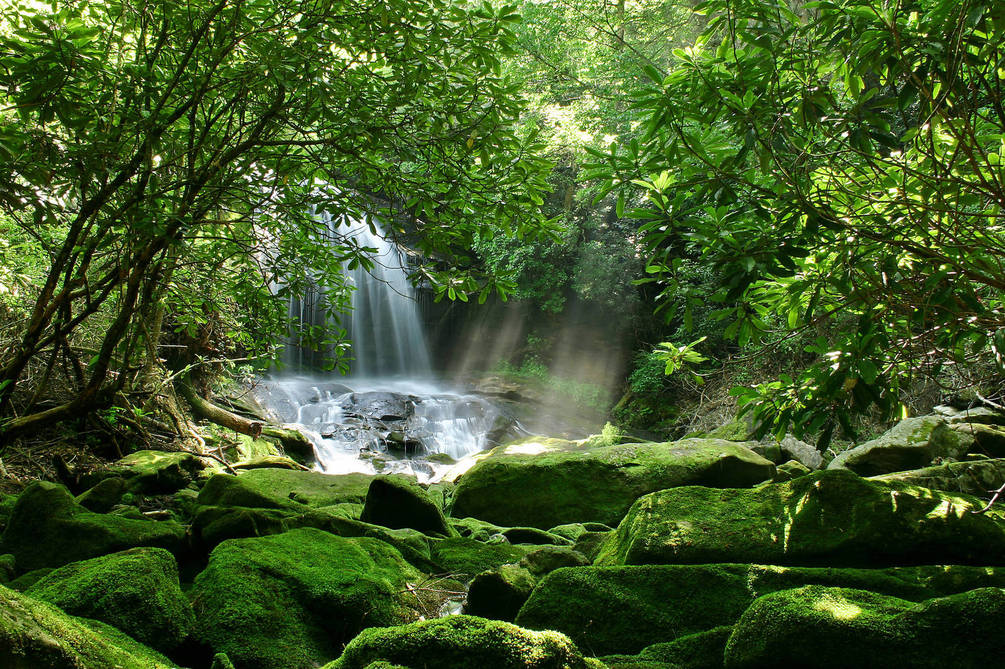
[{"x": 390, "y": 414}]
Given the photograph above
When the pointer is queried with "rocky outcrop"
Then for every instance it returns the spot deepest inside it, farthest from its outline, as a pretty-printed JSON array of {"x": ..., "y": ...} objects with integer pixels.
[
  {"x": 831, "y": 517},
  {"x": 972, "y": 477},
  {"x": 396, "y": 502},
  {"x": 136, "y": 591},
  {"x": 911, "y": 444},
  {"x": 547, "y": 482}
]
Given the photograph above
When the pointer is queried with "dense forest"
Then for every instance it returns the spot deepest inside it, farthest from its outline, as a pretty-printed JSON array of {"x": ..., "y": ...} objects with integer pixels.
[{"x": 356, "y": 332}]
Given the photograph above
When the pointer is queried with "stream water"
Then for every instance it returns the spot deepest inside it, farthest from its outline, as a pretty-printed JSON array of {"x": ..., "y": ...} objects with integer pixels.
[{"x": 390, "y": 414}]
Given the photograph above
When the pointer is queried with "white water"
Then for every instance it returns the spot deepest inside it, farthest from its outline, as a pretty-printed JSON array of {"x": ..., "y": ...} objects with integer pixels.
[{"x": 390, "y": 355}]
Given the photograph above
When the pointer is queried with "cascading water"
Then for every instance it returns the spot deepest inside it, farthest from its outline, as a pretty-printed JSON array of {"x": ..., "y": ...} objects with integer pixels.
[{"x": 388, "y": 415}]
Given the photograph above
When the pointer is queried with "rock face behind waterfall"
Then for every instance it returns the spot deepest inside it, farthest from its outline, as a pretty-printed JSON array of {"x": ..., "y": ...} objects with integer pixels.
[{"x": 547, "y": 482}]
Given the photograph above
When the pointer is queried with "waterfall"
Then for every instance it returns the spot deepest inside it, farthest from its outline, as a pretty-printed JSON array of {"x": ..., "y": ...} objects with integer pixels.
[
  {"x": 388, "y": 415},
  {"x": 384, "y": 326}
]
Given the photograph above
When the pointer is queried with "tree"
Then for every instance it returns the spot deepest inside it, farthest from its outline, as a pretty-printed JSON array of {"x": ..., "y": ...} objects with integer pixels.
[
  {"x": 158, "y": 145},
  {"x": 841, "y": 164}
]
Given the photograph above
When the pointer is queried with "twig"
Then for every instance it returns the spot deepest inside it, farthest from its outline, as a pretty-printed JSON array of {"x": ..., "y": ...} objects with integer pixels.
[{"x": 994, "y": 498}]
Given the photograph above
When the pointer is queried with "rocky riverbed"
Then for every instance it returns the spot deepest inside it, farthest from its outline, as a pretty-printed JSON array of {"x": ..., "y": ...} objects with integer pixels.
[{"x": 704, "y": 552}]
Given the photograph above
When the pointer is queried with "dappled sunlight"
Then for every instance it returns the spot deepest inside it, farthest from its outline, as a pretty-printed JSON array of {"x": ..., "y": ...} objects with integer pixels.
[
  {"x": 838, "y": 607},
  {"x": 529, "y": 448}
]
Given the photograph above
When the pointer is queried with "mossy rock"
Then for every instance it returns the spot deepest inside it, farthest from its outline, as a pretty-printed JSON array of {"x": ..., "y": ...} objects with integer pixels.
[
  {"x": 397, "y": 502},
  {"x": 590, "y": 543},
  {"x": 49, "y": 529},
  {"x": 7, "y": 503},
  {"x": 833, "y": 517},
  {"x": 462, "y": 556},
  {"x": 37, "y": 635},
  {"x": 625, "y": 609},
  {"x": 104, "y": 495},
  {"x": 151, "y": 472},
  {"x": 268, "y": 462},
  {"x": 461, "y": 642},
  {"x": 910, "y": 444},
  {"x": 546, "y": 483},
  {"x": 703, "y": 650},
  {"x": 792, "y": 469},
  {"x": 823, "y": 627},
  {"x": 284, "y": 489},
  {"x": 293, "y": 600},
  {"x": 28, "y": 579},
  {"x": 472, "y": 528},
  {"x": 549, "y": 558},
  {"x": 532, "y": 535},
  {"x": 975, "y": 477},
  {"x": 499, "y": 593},
  {"x": 136, "y": 591},
  {"x": 8, "y": 567},
  {"x": 989, "y": 439}
]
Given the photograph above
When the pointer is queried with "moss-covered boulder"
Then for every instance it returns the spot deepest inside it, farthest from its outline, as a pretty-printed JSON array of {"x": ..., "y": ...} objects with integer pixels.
[
  {"x": 397, "y": 502},
  {"x": 101, "y": 497},
  {"x": 135, "y": 590},
  {"x": 460, "y": 642},
  {"x": 989, "y": 439},
  {"x": 825, "y": 627},
  {"x": 48, "y": 528},
  {"x": 912, "y": 443},
  {"x": 499, "y": 593},
  {"x": 832, "y": 517},
  {"x": 703, "y": 650},
  {"x": 549, "y": 558},
  {"x": 37, "y": 635},
  {"x": 151, "y": 472},
  {"x": 294, "y": 599},
  {"x": 468, "y": 557},
  {"x": 973, "y": 477},
  {"x": 544, "y": 483},
  {"x": 625, "y": 609},
  {"x": 792, "y": 469},
  {"x": 283, "y": 488}
]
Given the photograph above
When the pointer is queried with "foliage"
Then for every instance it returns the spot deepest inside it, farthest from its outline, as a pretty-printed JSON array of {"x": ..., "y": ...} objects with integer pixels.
[
  {"x": 840, "y": 166},
  {"x": 173, "y": 153}
]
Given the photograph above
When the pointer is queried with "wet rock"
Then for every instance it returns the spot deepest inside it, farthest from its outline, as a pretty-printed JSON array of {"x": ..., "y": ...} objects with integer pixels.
[{"x": 911, "y": 444}]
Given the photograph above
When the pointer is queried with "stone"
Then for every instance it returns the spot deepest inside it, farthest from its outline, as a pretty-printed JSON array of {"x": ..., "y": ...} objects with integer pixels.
[
  {"x": 269, "y": 462},
  {"x": 912, "y": 443},
  {"x": 832, "y": 517},
  {"x": 977, "y": 415},
  {"x": 466, "y": 557},
  {"x": 532, "y": 535},
  {"x": 625, "y": 609},
  {"x": 792, "y": 469},
  {"x": 49, "y": 529},
  {"x": 136, "y": 591},
  {"x": 703, "y": 650},
  {"x": 989, "y": 439},
  {"x": 499, "y": 593},
  {"x": 547, "y": 559},
  {"x": 462, "y": 641},
  {"x": 974, "y": 477},
  {"x": 397, "y": 502},
  {"x": 103, "y": 495},
  {"x": 292, "y": 600},
  {"x": 152, "y": 472},
  {"x": 37, "y": 635},
  {"x": 283, "y": 489},
  {"x": 828, "y": 627},
  {"x": 549, "y": 482}
]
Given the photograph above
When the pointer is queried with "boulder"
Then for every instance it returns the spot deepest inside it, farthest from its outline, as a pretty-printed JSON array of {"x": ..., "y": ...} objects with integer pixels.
[
  {"x": 467, "y": 557},
  {"x": 626, "y": 609},
  {"x": 532, "y": 535},
  {"x": 269, "y": 462},
  {"x": 832, "y": 517},
  {"x": 547, "y": 482},
  {"x": 703, "y": 650},
  {"x": 136, "y": 591},
  {"x": 792, "y": 469},
  {"x": 49, "y": 529},
  {"x": 397, "y": 502},
  {"x": 37, "y": 635},
  {"x": 104, "y": 495},
  {"x": 284, "y": 489},
  {"x": 499, "y": 593},
  {"x": 825, "y": 627},
  {"x": 293, "y": 600},
  {"x": 977, "y": 415},
  {"x": 547, "y": 559},
  {"x": 912, "y": 443},
  {"x": 973, "y": 477},
  {"x": 461, "y": 641},
  {"x": 989, "y": 439},
  {"x": 152, "y": 472}
]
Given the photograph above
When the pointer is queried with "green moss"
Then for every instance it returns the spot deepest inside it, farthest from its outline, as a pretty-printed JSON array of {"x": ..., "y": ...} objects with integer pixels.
[
  {"x": 398, "y": 502},
  {"x": 590, "y": 543},
  {"x": 545, "y": 484},
  {"x": 549, "y": 558},
  {"x": 48, "y": 529},
  {"x": 472, "y": 528},
  {"x": 292, "y": 600},
  {"x": 499, "y": 593},
  {"x": 624, "y": 609},
  {"x": 136, "y": 591},
  {"x": 460, "y": 642},
  {"x": 104, "y": 495},
  {"x": 37, "y": 635},
  {"x": 151, "y": 472},
  {"x": 910, "y": 444},
  {"x": 268, "y": 462},
  {"x": 839, "y": 627},
  {"x": 283, "y": 488},
  {"x": 833, "y": 517},
  {"x": 25, "y": 581},
  {"x": 703, "y": 650},
  {"x": 467, "y": 556},
  {"x": 532, "y": 535},
  {"x": 972, "y": 478},
  {"x": 8, "y": 567}
]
